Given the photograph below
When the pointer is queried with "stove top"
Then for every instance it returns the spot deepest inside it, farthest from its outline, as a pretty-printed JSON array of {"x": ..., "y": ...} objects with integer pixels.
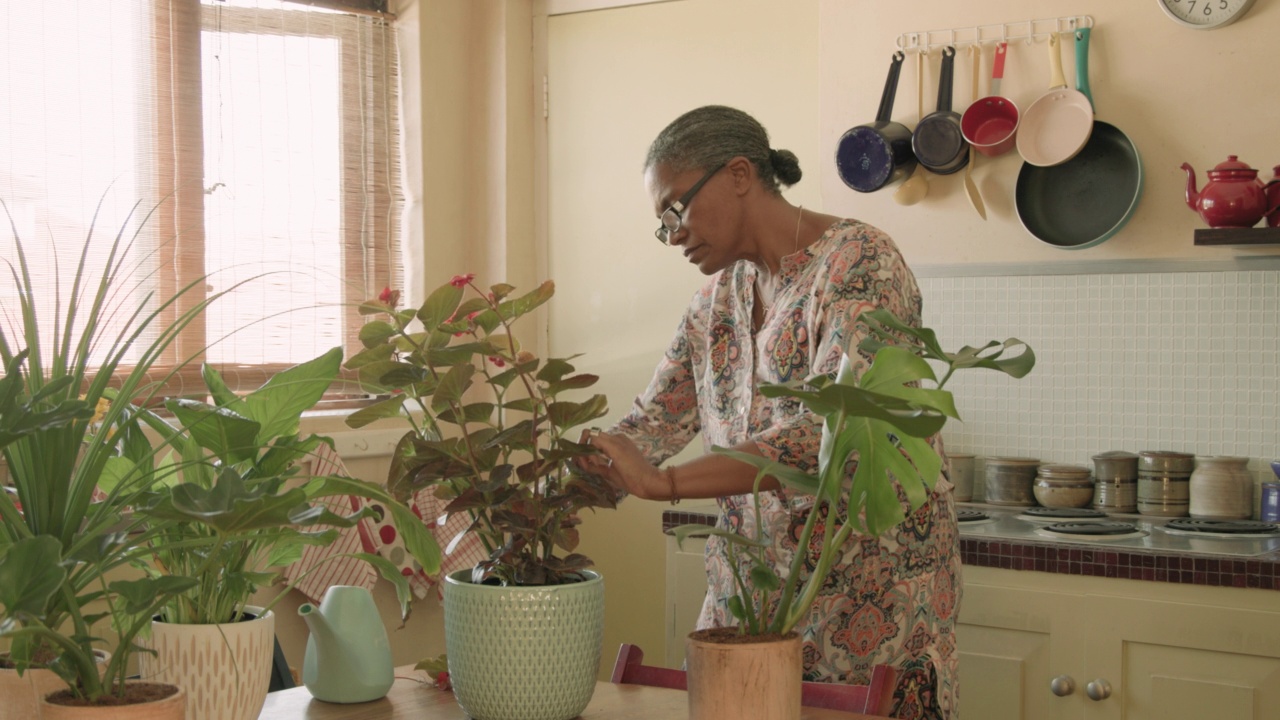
[{"x": 1129, "y": 532}]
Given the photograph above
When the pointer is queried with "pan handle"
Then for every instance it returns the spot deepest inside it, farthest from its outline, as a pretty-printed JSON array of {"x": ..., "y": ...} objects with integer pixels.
[
  {"x": 997, "y": 70},
  {"x": 1056, "y": 78},
  {"x": 890, "y": 88},
  {"x": 945, "y": 77},
  {"x": 1082, "y": 64}
]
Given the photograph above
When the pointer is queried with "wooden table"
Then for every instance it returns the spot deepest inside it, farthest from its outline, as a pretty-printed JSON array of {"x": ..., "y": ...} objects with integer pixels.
[{"x": 412, "y": 699}]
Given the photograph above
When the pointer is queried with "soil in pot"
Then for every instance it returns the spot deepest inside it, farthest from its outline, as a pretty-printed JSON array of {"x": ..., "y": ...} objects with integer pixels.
[{"x": 134, "y": 694}]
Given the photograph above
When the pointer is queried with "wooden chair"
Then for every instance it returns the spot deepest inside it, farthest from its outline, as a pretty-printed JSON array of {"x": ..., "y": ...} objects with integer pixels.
[{"x": 874, "y": 698}]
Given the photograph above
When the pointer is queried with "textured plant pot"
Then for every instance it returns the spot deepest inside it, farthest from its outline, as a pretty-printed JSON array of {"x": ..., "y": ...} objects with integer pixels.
[
  {"x": 20, "y": 695},
  {"x": 744, "y": 680},
  {"x": 523, "y": 653},
  {"x": 169, "y": 708},
  {"x": 224, "y": 669}
]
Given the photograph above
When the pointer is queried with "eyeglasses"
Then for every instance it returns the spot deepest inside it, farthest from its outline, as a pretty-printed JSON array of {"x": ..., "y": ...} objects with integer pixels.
[{"x": 673, "y": 216}]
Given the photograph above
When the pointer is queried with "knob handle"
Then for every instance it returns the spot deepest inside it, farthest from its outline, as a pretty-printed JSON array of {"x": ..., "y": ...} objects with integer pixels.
[
  {"x": 1062, "y": 685},
  {"x": 1098, "y": 689}
]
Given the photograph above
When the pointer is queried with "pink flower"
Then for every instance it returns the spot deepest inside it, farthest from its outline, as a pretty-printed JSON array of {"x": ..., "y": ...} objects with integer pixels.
[
  {"x": 497, "y": 361},
  {"x": 389, "y": 297},
  {"x": 442, "y": 680},
  {"x": 459, "y": 281}
]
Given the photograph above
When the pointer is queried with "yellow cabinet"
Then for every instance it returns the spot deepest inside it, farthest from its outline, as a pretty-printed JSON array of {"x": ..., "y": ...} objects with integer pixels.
[{"x": 1038, "y": 645}]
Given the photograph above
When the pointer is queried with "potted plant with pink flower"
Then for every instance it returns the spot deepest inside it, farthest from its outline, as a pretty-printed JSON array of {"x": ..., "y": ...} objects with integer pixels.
[{"x": 491, "y": 434}]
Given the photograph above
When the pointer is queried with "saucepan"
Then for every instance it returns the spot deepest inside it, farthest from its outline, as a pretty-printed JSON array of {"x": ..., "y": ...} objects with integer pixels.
[
  {"x": 1086, "y": 200},
  {"x": 938, "y": 143},
  {"x": 990, "y": 124},
  {"x": 875, "y": 154},
  {"x": 1058, "y": 123}
]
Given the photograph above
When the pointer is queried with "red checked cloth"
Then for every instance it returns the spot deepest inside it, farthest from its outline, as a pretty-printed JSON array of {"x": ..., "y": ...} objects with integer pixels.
[{"x": 379, "y": 535}]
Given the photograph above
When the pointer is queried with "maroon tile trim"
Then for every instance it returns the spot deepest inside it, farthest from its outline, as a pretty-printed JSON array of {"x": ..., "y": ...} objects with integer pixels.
[{"x": 1257, "y": 572}]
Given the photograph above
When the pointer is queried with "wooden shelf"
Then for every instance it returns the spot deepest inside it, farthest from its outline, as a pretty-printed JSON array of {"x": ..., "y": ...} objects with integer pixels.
[{"x": 1238, "y": 236}]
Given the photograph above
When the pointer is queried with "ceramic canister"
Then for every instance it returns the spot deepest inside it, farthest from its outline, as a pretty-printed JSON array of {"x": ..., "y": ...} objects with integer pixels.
[
  {"x": 1270, "y": 502},
  {"x": 1164, "y": 482},
  {"x": 1063, "y": 486},
  {"x": 1009, "y": 481},
  {"x": 1115, "y": 476},
  {"x": 1221, "y": 488},
  {"x": 962, "y": 476}
]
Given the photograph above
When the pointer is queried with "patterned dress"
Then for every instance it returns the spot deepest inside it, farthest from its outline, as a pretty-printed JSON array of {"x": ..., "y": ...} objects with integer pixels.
[{"x": 889, "y": 600}]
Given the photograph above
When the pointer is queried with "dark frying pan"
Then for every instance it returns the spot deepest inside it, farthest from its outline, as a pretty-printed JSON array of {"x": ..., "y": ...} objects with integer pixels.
[
  {"x": 938, "y": 141},
  {"x": 872, "y": 155},
  {"x": 1089, "y": 198}
]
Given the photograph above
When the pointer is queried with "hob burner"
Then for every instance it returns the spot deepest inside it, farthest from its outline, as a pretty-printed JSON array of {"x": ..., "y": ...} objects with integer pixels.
[
  {"x": 1087, "y": 529},
  {"x": 1064, "y": 513},
  {"x": 967, "y": 515},
  {"x": 1222, "y": 527}
]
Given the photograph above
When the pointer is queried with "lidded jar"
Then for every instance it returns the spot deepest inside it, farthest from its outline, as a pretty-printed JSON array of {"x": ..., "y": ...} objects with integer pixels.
[
  {"x": 1116, "y": 481},
  {"x": 1009, "y": 481},
  {"x": 1164, "y": 482},
  {"x": 1221, "y": 489},
  {"x": 1063, "y": 486}
]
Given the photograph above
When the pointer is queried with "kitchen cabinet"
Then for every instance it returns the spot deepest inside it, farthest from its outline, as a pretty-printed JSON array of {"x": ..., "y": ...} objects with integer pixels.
[{"x": 1164, "y": 652}]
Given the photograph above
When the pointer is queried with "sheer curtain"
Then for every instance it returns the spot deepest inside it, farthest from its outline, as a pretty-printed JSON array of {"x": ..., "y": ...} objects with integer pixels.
[{"x": 259, "y": 136}]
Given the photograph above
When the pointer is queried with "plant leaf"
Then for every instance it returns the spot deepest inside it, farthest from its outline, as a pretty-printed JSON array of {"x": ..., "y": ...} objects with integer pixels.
[
  {"x": 31, "y": 571},
  {"x": 439, "y": 306},
  {"x": 278, "y": 405}
]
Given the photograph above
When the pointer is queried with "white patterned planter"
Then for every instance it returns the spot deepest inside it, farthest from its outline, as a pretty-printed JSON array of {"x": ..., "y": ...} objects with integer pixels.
[
  {"x": 523, "y": 653},
  {"x": 224, "y": 669}
]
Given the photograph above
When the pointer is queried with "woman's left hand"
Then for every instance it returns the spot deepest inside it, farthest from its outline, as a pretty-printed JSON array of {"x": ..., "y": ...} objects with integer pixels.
[{"x": 623, "y": 465}]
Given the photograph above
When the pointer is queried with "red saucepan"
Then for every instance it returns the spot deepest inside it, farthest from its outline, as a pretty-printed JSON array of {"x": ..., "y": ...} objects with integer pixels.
[
  {"x": 870, "y": 156},
  {"x": 1089, "y": 198},
  {"x": 1058, "y": 123},
  {"x": 938, "y": 143},
  {"x": 991, "y": 123}
]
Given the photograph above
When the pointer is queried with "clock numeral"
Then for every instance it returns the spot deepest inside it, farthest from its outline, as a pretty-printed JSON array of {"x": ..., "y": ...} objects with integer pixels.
[
  {"x": 1193, "y": 6},
  {"x": 1222, "y": 5}
]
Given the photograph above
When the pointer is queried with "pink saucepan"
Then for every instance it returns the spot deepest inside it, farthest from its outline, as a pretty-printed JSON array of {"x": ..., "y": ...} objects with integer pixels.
[{"x": 991, "y": 123}]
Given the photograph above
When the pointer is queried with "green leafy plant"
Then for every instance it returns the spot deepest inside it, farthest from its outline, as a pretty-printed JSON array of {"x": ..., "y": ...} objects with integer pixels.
[
  {"x": 881, "y": 421},
  {"x": 230, "y": 506},
  {"x": 70, "y": 399},
  {"x": 491, "y": 424}
]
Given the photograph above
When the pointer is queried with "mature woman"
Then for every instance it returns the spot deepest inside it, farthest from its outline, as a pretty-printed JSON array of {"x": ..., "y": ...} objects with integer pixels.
[{"x": 785, "y": 287}]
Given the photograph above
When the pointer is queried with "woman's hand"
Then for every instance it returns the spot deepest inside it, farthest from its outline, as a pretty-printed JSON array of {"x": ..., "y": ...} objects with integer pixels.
[{"x": 622, "y": 465}]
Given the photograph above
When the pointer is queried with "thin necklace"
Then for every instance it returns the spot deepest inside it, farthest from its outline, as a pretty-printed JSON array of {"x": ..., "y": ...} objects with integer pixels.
[{"x": 799, "y": 217}]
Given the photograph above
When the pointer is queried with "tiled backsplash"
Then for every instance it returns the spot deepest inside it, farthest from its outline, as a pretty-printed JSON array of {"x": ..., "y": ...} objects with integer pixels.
[{"x": 1185, "y": 361}]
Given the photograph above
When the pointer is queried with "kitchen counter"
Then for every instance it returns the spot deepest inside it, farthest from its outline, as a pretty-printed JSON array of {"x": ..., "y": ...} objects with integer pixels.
[{"x": 1050, "y": 555}]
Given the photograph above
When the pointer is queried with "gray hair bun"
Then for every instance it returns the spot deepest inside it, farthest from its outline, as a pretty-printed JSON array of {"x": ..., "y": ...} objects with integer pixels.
[{"x": 786, "y": 166}]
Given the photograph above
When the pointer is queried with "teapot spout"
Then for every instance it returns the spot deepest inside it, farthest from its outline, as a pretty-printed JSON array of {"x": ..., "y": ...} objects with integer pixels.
[{"x": 1193, "y": 195}]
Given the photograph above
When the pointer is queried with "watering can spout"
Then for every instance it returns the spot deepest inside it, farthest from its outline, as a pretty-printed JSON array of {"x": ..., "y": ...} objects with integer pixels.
[
  {"x": 326, "y": 641},
  {"x": 1193, "y": 195}
]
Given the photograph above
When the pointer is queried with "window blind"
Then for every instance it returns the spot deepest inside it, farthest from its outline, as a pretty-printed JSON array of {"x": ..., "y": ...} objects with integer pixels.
[{"x": 259, "y": 139}]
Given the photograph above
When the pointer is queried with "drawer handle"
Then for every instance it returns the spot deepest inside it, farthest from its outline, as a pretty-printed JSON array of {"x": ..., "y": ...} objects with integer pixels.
[
  {"x": 1062, "y": 685},
  {"x": 1098, "y": 689}
]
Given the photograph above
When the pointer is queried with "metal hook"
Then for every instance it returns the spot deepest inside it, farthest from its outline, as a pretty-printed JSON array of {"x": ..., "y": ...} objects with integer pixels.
[
  {"x": 1088, "y": 19},
  {"x": 1004, "y": 32},
  {"x": 1031, "y": 31}
]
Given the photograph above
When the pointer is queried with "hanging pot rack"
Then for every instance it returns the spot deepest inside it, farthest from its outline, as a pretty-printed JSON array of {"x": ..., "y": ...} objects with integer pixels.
[{"x": 1028, "y": 30}]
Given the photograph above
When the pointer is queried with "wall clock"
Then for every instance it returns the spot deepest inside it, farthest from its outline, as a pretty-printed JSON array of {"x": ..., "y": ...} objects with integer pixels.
[{"x": 1204, "y": 14}]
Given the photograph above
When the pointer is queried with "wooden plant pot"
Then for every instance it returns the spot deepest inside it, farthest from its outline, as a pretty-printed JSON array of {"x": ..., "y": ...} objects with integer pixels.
[
  {"x": 172, "y": 707},
  {"x": 743, "y": 679},
  {"x": 20, "y": 695}
]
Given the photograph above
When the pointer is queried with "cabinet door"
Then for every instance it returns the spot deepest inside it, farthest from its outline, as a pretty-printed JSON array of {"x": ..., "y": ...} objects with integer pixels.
[
  {"x": 1181, "y": 661},
  {"x": 1012, "y": 644},
  {"x": 686, "y": 589}
]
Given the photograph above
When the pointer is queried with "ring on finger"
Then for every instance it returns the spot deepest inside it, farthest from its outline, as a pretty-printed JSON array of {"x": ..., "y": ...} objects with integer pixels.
[{"x": 609, "y": 464}]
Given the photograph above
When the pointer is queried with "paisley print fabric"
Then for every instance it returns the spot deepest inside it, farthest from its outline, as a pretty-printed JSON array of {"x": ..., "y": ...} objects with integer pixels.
[{"x": 889, "y": 600}]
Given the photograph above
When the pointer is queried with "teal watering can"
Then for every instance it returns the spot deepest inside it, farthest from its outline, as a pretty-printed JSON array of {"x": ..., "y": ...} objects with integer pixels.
[{"x": 348, "y": 657}]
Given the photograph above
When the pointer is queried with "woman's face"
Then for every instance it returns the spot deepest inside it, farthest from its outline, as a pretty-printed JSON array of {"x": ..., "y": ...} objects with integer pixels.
[{"x": 700, "y": 212}]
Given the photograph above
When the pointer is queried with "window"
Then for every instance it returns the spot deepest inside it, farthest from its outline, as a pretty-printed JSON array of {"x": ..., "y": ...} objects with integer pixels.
[{"x": 260, "y": 136}]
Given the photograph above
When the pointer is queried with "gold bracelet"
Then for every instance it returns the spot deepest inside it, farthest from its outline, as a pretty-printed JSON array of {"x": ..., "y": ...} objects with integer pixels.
[{"x": 670, "y": 472}]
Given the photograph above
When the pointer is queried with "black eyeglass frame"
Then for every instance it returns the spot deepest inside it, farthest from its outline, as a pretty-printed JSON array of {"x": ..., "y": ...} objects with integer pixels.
[{"x": 677, "y": 208}]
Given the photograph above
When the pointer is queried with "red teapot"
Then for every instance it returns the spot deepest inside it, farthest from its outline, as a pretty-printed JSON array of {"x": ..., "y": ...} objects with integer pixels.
[
  {"x": 1233, "y": 197},
  {"x": 1273, "y": 198}
]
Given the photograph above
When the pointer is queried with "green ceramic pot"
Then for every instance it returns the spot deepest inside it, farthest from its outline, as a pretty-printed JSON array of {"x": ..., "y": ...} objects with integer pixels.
[{"x": 523, "y": 653}]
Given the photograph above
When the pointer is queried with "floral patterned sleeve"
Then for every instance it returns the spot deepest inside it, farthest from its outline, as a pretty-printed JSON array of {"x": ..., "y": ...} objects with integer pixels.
[
  {"x": 664, "y": 418},
  {"x": 864, "y": 272}
]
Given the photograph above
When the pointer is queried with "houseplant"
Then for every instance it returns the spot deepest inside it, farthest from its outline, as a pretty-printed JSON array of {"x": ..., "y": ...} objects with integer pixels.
[
  {"x": 229, "y": 508},
  {"x": 491, "y": 437},
  {"x": 881, "y": 420},
  {"x": 97, "y": 353}
]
